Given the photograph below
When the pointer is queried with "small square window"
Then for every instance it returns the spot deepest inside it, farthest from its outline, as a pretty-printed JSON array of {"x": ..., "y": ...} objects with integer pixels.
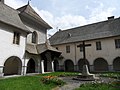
[
  {"x": 81, "y": 49},
  {"x": 67, "y": 49},
  {"x": 16, "y": 38},
  {"x": 117, "y": 43},
  {"x": 98, "y": 45},
  {"x": 34, "y": 37}
]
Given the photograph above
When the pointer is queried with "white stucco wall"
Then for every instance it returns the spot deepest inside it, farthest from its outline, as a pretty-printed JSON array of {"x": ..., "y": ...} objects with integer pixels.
[
  {"x": 7, "y": 48},
  {"x": 34, "y": 26},
  {"x": 108, "y": 52},
  {"x": 40, "y": 33}
]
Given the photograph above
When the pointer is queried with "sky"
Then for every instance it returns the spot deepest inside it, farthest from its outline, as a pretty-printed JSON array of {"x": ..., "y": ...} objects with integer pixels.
[{"x": 65, "y": 14}]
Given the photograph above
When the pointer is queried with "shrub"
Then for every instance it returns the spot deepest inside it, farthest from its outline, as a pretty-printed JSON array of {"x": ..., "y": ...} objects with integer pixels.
[
  {"x": 65, "y": 74},
  {"x": 99, "y": 85},
  {"x": 111, "y": 75},
  {"x": 116, "y": 84},
  {"x": 52, "y": 80},
  {"x": 94, "y": 86}
]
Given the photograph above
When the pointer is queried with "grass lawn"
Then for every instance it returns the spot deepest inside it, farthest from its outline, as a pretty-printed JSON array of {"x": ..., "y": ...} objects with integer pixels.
[
  {"x": 24, "y": 83},
  {"x": 36, "y": 83},
  {"x": 30, "y": 82}
]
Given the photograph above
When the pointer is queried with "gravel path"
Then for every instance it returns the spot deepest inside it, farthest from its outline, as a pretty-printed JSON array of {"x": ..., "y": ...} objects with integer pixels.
[{"x": 72, "y": 84}]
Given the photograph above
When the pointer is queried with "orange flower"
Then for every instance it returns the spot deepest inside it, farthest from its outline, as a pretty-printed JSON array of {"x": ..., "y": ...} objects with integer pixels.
[{"x": 50, "y": 77}]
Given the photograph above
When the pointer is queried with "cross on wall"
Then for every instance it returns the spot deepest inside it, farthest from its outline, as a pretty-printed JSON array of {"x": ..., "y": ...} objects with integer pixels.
[{"x": 83, "y": 45}]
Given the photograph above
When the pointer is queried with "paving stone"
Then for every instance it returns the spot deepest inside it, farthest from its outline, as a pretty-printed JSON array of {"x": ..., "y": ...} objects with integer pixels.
[{"x": 72, "y": 84}]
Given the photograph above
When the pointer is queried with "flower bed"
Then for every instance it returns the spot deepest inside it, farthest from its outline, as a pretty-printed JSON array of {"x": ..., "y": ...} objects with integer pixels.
[{"x": 52, "y": 80}]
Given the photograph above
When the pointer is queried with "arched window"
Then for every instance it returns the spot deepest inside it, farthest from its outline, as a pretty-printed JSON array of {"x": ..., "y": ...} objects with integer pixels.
[{"x": 34, "y": 37}]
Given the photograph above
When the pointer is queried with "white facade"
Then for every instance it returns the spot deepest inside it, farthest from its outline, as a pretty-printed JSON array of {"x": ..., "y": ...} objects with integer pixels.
[
  {"x": 109, "y": 53},
  {"x": 16, "y": 38},
  {"x": 8, "y": 49},
  {"x": 41, "y": 34},
  {"x": 40, "y": 39}
]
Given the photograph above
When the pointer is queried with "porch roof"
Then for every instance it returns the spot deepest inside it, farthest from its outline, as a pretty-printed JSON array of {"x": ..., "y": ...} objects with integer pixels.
[
  {"x": 40, "y": 48},
  {"x": 31, "y": 48}
]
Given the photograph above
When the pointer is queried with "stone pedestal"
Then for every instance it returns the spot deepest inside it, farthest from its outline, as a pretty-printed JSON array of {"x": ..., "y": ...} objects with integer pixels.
[
  {"x": 52, "y": 66},
  {"x": 42, "y": 66},
  {"x": 85, "y": 76},
  {"x": 1, "y": 71},
  {"x": 24, "y": 68},
  {"x": 1, "y": 75}
]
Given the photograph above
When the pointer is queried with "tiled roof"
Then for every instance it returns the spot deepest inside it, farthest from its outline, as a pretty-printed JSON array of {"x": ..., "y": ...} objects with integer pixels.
[
  {"x": 31, "y": 48},
  {"x": 40, "y": 48},
  {"x": 27, "y": 9},
  {"x": 108, "y": 28},
  {"x": 10, "y": 16}
]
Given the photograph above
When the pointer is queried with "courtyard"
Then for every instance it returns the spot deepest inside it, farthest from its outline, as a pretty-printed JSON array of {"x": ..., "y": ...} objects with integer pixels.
[{"x": 61, "y": 81}]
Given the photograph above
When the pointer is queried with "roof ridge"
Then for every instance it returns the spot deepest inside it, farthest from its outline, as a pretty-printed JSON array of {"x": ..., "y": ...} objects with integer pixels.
[
  {"x": 24, "y": 7},
  {"x": 104, "y": 29},
  {"x": 88, "y": 25},
  {"x": 30, "y": 11}
]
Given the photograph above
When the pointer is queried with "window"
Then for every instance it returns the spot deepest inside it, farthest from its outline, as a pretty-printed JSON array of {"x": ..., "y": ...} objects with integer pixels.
[
  {"x": 34, "y": 37},
  {"x": 81, "y": 49},
  {"x": 117, "y": 43},
  {"x": 67, "y": 49},
  {"x": 98, "y": 45},
  {"x": 16, "y": 38}
]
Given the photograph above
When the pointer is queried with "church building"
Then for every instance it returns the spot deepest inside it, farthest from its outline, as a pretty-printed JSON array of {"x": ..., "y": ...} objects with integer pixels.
[
  {"x": 102, "y": 55},
  {"x": 24, "y": 48}
]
